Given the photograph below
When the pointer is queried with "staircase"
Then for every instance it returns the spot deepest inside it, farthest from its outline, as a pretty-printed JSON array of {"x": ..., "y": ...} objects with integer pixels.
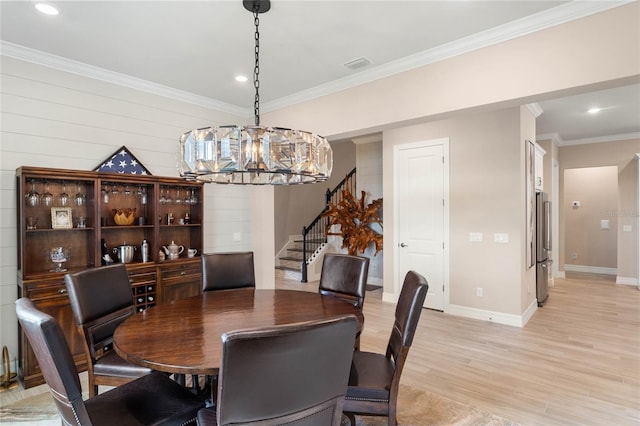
[
  {"x": 290, "y": 263},
  {"x": 303, "y": 250}
]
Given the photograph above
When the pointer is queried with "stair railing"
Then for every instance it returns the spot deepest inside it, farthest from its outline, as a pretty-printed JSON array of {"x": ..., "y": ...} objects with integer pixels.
[{"x": 313, "y": 235}]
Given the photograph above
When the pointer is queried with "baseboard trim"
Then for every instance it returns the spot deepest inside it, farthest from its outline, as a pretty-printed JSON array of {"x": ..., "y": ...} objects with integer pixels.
[
  {"x": 626, "y": 281},
  {"x": 590, "y": 269},
  {"x": 389, "y": 297},
  {"x": 528, "y": 313},
  {"x": 492, "y": 316}
]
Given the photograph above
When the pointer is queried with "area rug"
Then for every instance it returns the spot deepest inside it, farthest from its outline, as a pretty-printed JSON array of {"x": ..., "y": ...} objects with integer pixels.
[{"x": 416, "y": 408}]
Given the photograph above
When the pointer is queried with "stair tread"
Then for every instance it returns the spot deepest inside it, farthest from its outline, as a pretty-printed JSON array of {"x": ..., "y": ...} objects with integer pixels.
[
  {"x": 287, "y": 268},
  {"x": 290, "y": 258}
]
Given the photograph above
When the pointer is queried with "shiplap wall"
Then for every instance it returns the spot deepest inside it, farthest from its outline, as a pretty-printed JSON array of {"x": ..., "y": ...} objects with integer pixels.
[{"x": 52, "y": 118}]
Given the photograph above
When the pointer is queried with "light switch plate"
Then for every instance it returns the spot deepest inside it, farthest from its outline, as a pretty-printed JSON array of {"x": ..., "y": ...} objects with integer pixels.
[
  {"x": 501, "y": 237},
  {"x": 475, "y": 236},
  {"x": 627, "y": 228},
  {"x": 237, "y": 236}
]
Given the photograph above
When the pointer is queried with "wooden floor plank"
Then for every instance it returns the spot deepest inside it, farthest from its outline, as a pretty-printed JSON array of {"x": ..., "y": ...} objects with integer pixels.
[{"x": 576, "y": 362}]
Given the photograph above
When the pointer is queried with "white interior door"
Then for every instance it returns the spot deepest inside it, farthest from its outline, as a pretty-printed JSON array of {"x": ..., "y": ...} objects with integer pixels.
[{"x": 420, "y": 185}]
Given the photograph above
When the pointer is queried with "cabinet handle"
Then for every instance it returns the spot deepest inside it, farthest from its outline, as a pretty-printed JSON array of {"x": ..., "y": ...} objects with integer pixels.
[
  {"x": 183, "y": 273},
  {"x": 62, "y": 291},
  {"x": 130, "y": 280}
]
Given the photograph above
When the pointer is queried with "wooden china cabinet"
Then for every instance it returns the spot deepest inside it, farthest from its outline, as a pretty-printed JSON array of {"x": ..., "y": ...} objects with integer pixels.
[{"x": 65, "y": 216}]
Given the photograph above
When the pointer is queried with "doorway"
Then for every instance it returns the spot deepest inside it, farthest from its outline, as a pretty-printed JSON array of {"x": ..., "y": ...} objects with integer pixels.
[
  {"x": 591, "y": 219},
  {"x": 422, "y": 187}
]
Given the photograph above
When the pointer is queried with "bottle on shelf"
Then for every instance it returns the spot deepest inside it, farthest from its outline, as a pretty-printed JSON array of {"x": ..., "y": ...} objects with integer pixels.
[{"x": 144, "y": 251}]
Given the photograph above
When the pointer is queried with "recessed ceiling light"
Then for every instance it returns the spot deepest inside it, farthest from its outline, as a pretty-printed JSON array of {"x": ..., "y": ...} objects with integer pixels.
[
  {"x": 241, "y": 78},
  {"x": 47, "y": 9},
  {"x": 593, "y": 110}
]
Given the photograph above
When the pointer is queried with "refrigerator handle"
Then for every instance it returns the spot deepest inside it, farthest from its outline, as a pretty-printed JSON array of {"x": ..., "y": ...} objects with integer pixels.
[{"x": 547, "y": 225}]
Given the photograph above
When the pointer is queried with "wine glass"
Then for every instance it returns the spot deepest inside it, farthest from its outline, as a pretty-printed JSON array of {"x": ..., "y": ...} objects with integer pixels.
[
  {"x": 187, "y": 197},
  {"x": 105, "y": 194},
  {"x": 163, "y": 197},
  {"x": 58, "y": 256},
  {"x": 64, "y": 197},
  {"x": 47, "y": 197},
  {"x": 142, "y": 193},
  {"x": 80, "y": 197},
  {"x": 193, "y": 200},
  {"x": 178, "y": 200},
  {"x": 32, "y": 198},
  {"x": 115, "y": 192},
  {"x": 127, "y": 191}
]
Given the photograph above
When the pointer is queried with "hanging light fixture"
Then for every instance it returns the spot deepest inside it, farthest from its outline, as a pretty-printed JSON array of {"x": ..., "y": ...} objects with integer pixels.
[{"x": 254, "y": 155}]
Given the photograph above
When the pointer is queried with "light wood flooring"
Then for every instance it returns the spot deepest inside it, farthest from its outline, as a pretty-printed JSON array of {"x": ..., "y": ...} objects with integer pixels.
[{"x": 576, "y": 362}]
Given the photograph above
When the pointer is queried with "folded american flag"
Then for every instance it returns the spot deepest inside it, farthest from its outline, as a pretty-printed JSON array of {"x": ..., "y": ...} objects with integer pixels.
[{"x": 124, "y": 162}]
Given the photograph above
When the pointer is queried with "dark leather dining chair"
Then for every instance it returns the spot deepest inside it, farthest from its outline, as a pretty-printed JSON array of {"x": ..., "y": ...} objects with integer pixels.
[
  {"x": 345, "y": 277},
  {"x": 288, "y": 374},
  {"x": 152, "y": 399},
  {"x": 374, "y": 380},
  {"x": 223, "y": 271},
  {"x": 101, "y": 299}
]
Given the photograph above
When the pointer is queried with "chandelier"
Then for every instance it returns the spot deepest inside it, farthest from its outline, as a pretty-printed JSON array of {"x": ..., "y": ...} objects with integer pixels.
[{"x": 254, "y": 155}]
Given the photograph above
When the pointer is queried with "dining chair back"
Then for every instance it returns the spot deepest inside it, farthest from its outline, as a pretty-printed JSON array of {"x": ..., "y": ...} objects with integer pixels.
[
  {"x": 374, "y": 380},
  {"x": 101, "y": 299},
  {"x": 344, "y": 277},
  {"x": 289, "y": 374},
  {"x": 152, "y": 399},
  {"x": 222, "y": 271}
]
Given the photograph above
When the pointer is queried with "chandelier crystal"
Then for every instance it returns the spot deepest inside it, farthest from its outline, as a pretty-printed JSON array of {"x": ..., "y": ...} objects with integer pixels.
[{"x": 254, "y": 155}]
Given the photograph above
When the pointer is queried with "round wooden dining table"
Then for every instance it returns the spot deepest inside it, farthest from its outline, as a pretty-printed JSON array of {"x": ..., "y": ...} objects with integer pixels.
[{"x": 184, "y": 336}]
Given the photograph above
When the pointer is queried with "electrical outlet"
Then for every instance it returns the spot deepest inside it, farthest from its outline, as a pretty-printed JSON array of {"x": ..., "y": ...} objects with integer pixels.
[{"x": 479, "y": 292}]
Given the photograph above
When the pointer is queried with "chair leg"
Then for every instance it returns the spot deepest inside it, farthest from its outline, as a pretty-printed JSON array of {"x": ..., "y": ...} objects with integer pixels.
[
  {"x": 179, "y": 378},
  {"x": 93, "y": 388},
  {"x": 352, "y": 418},
  {"x": 392, "y": 420}
]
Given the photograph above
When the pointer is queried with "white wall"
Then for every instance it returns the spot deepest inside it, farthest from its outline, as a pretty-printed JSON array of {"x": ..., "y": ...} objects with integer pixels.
[
  {"x": 487, "y": 195},
  {"x": 595, "y": 52},
  {"x": 52, "y": 118},
  {"x": 369, "y": 179}
]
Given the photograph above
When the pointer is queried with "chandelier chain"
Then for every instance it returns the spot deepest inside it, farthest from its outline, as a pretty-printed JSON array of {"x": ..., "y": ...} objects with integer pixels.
[{"x": 256, "y": 71}]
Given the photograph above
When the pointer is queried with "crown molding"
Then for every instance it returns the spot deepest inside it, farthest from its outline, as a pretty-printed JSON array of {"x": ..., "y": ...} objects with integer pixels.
[
  {"x": 375, "y": 138},
  {"x": 68, "y": 65},
  {"x": 599, "y": 139},
  {"x": 521, "y": 27},
  {"x": 554, "y": 137},
  {"x": 546, "y": 19},
  {"x": 535, "y": 109}
]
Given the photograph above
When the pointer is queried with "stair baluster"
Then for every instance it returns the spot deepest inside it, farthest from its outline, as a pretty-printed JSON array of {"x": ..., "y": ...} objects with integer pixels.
[{"x": 313, "y": 235}]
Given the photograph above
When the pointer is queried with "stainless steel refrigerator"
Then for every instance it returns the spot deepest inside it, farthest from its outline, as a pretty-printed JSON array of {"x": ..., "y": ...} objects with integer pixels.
[{"x": 543, "y": 246}]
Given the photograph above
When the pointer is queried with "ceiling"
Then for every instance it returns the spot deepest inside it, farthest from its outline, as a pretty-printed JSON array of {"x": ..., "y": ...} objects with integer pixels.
[{"x": 194, "y": 49}]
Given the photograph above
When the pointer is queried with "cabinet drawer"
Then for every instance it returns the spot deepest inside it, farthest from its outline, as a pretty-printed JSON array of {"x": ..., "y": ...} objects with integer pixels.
[
  {"x": 45, "y": 289},
  {"x": 181, "y": 271},
  {"x": 141, "y": 278}
]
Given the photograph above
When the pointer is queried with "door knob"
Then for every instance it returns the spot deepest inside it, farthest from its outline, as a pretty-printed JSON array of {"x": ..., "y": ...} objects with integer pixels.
[{"x": 404, "y": 245}]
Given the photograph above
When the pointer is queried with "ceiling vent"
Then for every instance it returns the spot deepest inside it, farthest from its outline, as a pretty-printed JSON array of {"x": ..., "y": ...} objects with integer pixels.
[{"x": 357, "y": 63}]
